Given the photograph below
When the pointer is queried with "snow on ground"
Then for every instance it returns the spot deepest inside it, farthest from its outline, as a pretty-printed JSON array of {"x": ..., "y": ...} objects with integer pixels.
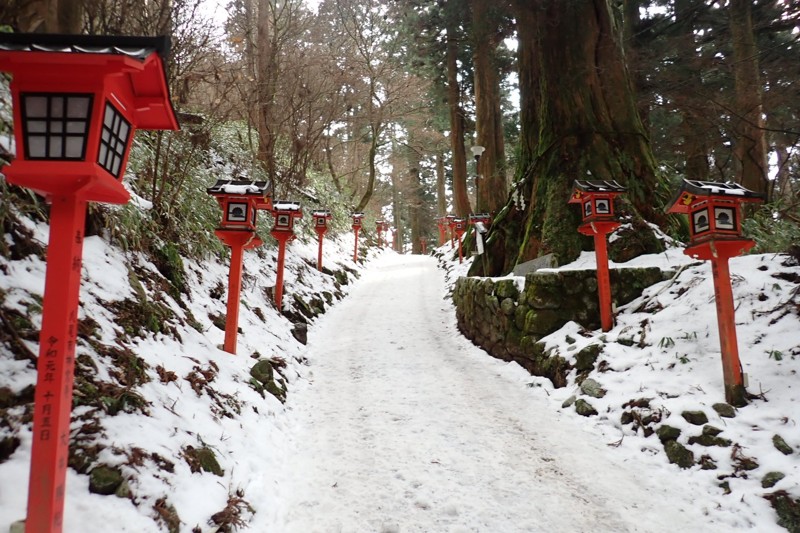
[
  {"x": 665, "y": 348},
  {"x": 197, "y": 394},
  {"x": 403, "y": 425},
  {"x": 395, "y": 423}
]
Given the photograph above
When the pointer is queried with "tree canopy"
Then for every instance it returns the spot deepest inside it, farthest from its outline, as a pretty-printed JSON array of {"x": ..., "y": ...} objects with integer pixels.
[{"x": 375, "y": 105}]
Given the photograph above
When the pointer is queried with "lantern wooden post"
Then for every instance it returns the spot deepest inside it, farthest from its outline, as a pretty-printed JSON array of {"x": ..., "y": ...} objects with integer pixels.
[
  {"x": 321, "y": 219},
  {"x": 450, "y": 219},
  {"x": 357, "y": 221},
  {"x": 285, "y": 213},
  {"x": 597, "y": 207},
  {"x": 240, "y": 201},
  {"x": 379, "y": 228},
  {"x": 715, "y": 230},
  {"x": 441, "y": 224},
  {"x": 73, "y": 134},
  {"x": 423, "y": 245}
]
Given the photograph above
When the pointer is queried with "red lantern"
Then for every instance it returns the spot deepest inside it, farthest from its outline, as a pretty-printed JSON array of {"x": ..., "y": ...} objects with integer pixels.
[
  {"x": 597, "y": 208},
  {"x": 441, "y": 223},
  {"x": 715, "y": 229},
  {"x": 357, "y": 221},
  {"x": 321, "y": 219},
  {"x": 77, "y": 101},
  {"x": 380, "y": 227},
  {"x": 451, "y": 226},
  {"x": 481, "y": 222},
  {"x": 240, "y": 201},
  {"x": 285, "y": 214},
  {"x": 459, "y": 227}
]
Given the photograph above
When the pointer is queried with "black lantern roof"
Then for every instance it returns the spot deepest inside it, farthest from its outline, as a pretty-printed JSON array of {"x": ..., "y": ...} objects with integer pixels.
[
  {"x": 691, "y": 192},
  {"x": 136, "y": 47},
  {"x": 238, "y": 188},
  {"x": 599, "y": 186},
  {"x": 708, "y": 188}
]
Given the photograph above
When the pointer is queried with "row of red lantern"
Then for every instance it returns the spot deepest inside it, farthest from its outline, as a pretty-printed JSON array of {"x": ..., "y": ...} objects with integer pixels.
[
  {"x": 77, "y": 101},
  {"x": 458, "y": 226},
  {"x": 715, "y": 231}
]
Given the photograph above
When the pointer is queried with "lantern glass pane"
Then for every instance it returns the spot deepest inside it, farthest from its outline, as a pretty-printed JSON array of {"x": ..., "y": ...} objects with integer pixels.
[
  {"x": 50, "y": 135},
  {"x": 237, "y": 212},
  {"x": 57, "y": 107},
  {"x": 36, "y": 126},
  {"x": 56, "y": 147},
  {"x": 116, "y": 161},
  {"x": 102, "y": 153},
  {"x": 602, "y": 206},
  {"x": 78, "y": 107},
  {"x": 36, "y": 106},
  {"x": 700, "y": 221},
  {"x": 725, "y": 218},
  {"x": 37, "y": 147},
  {"x": 76, "y": 127},
  {"x": 113, "y": 140},
  {"x": 74, "y": 147}
]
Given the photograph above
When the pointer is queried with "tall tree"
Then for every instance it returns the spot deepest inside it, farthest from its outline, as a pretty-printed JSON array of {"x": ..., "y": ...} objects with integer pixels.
[
  {"x": 750, "y": 148},
  {"x": 488, "y": 32},
  {"x": 578, "y": 119},
  {"x": 454, "y": 30}
]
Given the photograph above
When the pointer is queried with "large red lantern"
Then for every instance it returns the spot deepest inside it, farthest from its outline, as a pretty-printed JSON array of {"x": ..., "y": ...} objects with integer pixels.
[
  {"x": 285, "y": 214},
  {"x": 715, "y": 230},
  {"x": 597, "y": 208},
  {"x": 77, "y": 101},
  {"x": 240, "y": 201}
]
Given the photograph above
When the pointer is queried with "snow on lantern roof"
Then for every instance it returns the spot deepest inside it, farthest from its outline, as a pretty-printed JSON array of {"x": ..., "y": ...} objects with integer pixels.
[
  {"x": 283, "y": 205},
  {"x": 321, "y": 213},
  {"x": 238, "y": 188},
  {"x": 693, "y": 192},
  {"x": 358, "y": 215},
  {"x": 599, "y": 186}
]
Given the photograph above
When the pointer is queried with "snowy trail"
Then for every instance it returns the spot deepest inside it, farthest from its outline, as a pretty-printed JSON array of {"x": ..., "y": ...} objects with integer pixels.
[{"x": 404, "y": 426}]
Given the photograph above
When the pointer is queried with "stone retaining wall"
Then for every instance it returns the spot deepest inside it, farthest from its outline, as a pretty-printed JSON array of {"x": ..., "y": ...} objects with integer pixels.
[{"x": 508, "y": 322}]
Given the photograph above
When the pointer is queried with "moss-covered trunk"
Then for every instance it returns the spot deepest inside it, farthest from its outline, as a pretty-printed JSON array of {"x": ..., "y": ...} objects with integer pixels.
[{"x": 578, "y": 120}]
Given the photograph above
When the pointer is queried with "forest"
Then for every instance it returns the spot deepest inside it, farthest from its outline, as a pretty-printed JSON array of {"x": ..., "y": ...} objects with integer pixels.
[{"x": 375, "y": 106}]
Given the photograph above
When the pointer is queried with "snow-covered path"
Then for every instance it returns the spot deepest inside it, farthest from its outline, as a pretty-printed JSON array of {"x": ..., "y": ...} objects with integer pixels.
[{"x": 404, "y": 426}]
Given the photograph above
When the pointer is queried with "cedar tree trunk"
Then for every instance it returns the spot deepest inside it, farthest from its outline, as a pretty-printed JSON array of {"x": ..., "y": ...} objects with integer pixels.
[
  {"x": 750, "y": 145},
  {"x": 491, "y": 179},
  {"x": 578, "y": 121}
]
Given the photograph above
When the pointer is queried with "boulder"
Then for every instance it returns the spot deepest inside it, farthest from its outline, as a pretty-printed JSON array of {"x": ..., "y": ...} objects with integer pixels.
[
  {"x": 697, "y": 418},
  {"x": 584, "y": 408},
  {"x": 104, "y": 480},
  {"x": 678, "y": 454}
]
